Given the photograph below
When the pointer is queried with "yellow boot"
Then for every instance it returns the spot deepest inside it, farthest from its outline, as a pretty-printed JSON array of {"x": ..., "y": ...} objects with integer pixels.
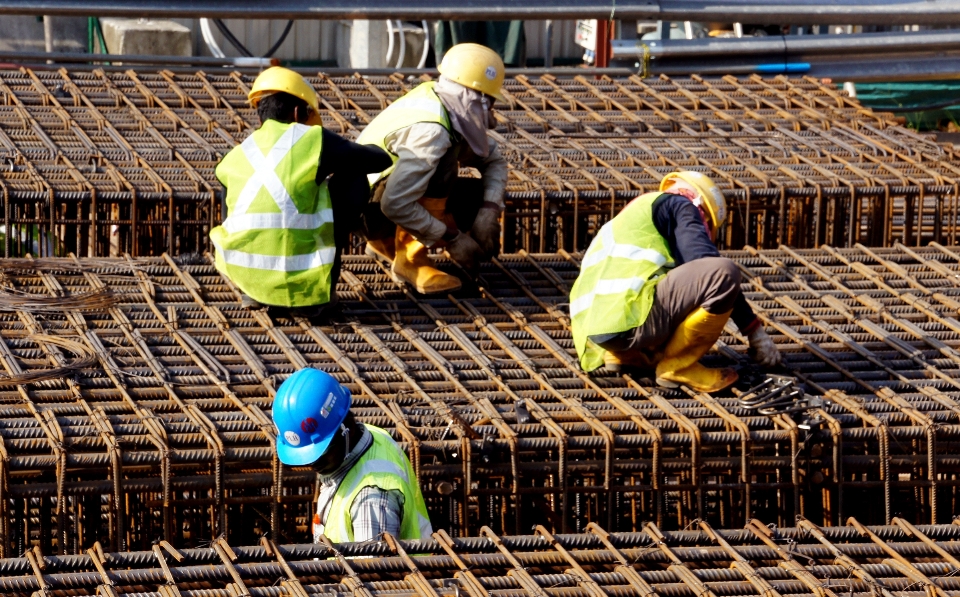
[
  {"x": 412, "y": 264},
  {"x": 384, "y": 249},
  {"x": 689, "y": 342},
  {"x": 637, "y": 359}
]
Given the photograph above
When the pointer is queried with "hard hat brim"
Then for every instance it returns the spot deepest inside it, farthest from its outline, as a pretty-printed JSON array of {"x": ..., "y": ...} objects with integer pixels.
[{"x": 301, "y": 455}]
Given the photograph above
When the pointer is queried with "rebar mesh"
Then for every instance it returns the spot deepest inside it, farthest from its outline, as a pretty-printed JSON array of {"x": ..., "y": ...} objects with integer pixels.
[
  {"x": 101, "y": 162},
  {"x": 168, "y": 435},
  {"x": 856, "y": 560}
]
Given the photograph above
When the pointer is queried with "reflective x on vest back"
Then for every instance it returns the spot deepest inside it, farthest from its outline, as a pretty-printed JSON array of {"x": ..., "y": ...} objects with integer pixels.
[{"x": 265, "y": 176}]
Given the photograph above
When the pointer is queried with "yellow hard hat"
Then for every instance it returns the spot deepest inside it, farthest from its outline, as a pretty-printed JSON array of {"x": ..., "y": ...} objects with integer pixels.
[
  {"x": 710, "y": 194},
  {"x": 277, "y": 78},
  {"x": 474, "y": 66}
]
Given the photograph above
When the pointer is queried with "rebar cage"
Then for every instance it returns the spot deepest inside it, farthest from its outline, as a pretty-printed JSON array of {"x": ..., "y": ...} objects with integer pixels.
[
  {"x": 759, "y": 560},
  {"x": 100, "y": 162},
  {"x": 135, "y": 404}
]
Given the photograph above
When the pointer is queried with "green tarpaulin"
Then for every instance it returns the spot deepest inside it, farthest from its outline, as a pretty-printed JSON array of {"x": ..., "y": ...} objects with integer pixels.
[
  {"x": 504, "y": 37},
  {"x": 937, "y": 103}
]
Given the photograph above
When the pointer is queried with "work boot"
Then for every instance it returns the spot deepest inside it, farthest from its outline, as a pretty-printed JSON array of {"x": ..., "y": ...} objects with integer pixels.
[
  {"x": 638, "y": 358},
  {"x": 681, "y": 356},
  {"x": 384, "y": 249},
  {"x": 412, "y": 264}
]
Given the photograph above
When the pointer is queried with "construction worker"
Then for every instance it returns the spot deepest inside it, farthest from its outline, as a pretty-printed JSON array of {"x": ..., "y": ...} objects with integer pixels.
[
  {"x": 430, "y": 133},
  {"x": 653, "y": 290},
  {"x": 294, "y": 191},
  {"x": 367, "y": 486}
]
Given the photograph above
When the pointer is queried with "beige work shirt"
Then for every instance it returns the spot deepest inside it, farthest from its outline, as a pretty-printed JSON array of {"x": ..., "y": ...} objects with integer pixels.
[{"x": 420, "y": 149}]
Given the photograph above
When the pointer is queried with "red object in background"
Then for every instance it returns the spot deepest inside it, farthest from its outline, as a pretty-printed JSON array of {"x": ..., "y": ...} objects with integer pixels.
[{"x": 605, "y": 32}]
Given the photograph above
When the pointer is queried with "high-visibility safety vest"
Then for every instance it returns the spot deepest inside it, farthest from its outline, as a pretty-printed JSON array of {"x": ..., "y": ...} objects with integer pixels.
[
  {"x": 277, "y": 243},
  {"x": 422, "y": 104},
  {"x": 618, "y": 276},
  {"x": 383, "y": 465}
]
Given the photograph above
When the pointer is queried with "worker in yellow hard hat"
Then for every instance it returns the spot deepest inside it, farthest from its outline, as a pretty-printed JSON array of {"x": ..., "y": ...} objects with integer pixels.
[
  {"x": 654, "y": 292},
  {"x": 293, "y": 193},
  {"x": 420, "y": 201}
]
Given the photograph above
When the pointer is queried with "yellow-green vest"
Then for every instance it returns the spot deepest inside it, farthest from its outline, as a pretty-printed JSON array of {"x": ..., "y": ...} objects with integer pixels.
[
  {"x": 618, "y": 275},
  {"x": 419, "y": 105},
  {"x": 276, "y": 242},
  {"x": 383, "y": 465}
]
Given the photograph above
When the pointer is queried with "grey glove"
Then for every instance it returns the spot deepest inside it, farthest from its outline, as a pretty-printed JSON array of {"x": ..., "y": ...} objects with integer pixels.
[
  {"x": 763, "y": 349},
  {"x": 465, "y": 251},
  {"x": 486, "y": 229}
]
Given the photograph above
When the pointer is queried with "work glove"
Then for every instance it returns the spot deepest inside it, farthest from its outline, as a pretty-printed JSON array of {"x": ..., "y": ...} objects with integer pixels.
[
  {"x": 762, "y": 348},
  {"x": 486, "y": 229},
  {"x": 465, "y": 251}
]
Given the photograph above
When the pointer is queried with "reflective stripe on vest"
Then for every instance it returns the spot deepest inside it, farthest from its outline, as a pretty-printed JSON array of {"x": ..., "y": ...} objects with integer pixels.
[
  {"x": 277, "y": 242},
  {"x": 419, "y": 105},
  {"x": 614, "y": 291},
  {"x": 383, "y": 465}
]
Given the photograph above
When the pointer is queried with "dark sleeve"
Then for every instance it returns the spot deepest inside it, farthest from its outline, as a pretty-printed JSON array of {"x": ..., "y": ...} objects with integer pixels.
[
  {"x": 678, "y": 220},
  {"x": 348, "y": 158},
  {"x": 744, "y": 316}
]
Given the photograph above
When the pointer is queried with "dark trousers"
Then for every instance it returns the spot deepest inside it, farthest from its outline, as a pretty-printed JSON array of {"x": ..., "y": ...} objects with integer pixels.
[
  {"x": 464, "y": 202},
  {"x": 350, "y": 196},
  {"x": 711, "y": 282}
]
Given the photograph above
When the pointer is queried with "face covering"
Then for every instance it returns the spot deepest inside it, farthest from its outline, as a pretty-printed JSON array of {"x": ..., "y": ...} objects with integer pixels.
[{"x": 469, "y": 112}]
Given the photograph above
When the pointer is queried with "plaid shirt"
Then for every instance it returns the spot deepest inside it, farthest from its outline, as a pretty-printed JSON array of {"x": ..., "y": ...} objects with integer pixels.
[{"x": 373, "y": 511}]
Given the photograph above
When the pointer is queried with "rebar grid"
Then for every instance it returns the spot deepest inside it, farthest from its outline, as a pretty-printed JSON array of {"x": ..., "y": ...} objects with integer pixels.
[
  {"x": 856, "y": 560},
  {"x": 169, "y": 436},
  {"x": 100, "y": 163}
]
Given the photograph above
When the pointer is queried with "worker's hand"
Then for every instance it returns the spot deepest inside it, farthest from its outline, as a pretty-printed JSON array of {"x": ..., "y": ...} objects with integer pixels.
[
  {"x": 762, "y": 348},
  {"x": 465, "y": 251},
  {"x": 486, "y": 229}
]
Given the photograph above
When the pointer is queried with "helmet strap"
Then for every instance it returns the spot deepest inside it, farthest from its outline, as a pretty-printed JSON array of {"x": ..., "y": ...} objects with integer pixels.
[{"x": 345, "y": 432}]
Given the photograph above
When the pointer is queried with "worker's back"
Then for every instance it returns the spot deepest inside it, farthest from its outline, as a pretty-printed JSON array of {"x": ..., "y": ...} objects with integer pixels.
[
  {"x": 277, "y": 241},
  {"x": 615, "y": 288},
  {"x": 383, "y": 465}
]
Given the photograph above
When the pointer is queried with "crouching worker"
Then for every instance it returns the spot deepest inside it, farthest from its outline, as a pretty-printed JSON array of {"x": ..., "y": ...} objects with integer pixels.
[
  {"x": 294, "y": 191},
  {"x": 419, "y": 200},
  {"x": 653, "y": 290},
  {"x": 367, "y": 486}
]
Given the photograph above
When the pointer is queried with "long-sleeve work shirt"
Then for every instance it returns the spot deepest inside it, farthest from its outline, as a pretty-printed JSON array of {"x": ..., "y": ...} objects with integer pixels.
[{"x": 678, "y": 220}]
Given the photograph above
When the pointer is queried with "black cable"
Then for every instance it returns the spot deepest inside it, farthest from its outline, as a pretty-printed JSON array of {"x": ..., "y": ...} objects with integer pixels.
[
  {"x": 279, "y": 42},
  {"x": 230, "y": 37}
]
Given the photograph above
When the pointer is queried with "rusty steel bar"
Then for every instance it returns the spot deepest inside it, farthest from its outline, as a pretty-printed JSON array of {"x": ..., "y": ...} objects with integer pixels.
[
  {"x": 725, "y": 563},
  {"x": 100, "y": 161},
  {"x": 166, "y": 433}
]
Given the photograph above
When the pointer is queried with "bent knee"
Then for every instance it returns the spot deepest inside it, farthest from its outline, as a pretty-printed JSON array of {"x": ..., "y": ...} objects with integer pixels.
[{"x": 724, "y": 271}]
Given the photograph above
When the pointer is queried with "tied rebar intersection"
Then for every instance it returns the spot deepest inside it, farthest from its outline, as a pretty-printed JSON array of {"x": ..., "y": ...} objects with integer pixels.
[
  {"x": 141, "y": 410},
  {"x": 101, "y": 162}
]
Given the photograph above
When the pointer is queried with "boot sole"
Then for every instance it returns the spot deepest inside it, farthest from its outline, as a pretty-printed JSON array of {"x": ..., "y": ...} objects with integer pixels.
[
  {"x": 403, "y": 282},
  {"x": 667, "y": 383},
  {"x": 422, "y": 291}
]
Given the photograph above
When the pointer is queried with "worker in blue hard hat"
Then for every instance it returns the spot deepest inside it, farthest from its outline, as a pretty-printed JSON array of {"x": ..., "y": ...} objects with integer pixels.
[{"x": 367, "y": 486}]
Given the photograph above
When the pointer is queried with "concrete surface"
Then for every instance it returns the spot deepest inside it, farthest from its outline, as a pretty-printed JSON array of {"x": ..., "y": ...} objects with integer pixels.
[{"x": 147, "y": 37}]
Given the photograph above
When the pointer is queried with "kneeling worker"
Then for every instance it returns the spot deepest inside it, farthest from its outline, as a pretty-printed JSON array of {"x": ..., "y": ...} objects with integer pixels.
[
  {"x": 654, "y": 291},
  {"x": 294, "y": 191},
  {"x": 420, "y": 201},
  {"x": 367, "y": 485}
]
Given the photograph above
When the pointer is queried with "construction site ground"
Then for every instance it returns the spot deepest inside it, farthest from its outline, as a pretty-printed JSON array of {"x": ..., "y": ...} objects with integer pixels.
[{"x": 136, "y": 445}]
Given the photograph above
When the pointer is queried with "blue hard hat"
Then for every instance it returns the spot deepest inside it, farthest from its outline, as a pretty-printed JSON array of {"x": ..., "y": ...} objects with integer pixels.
[{"x": 308, "y": 410}]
